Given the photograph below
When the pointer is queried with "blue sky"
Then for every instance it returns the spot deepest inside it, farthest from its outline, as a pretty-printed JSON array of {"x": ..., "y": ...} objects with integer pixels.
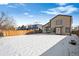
[{"x": 31, "y": 13}]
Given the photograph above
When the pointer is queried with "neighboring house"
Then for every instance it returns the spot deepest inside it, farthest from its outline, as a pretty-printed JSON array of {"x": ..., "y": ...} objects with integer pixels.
[
  {"x": 30, "y": 27},
  {"x": 76, "y": 28},
  {"x": 35, "y": 27},
  {"x": 60, "y": 24}
]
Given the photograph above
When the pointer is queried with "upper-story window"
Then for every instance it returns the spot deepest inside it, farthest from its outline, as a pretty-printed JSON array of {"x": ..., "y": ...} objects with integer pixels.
[{"x": 59, "y": 22}]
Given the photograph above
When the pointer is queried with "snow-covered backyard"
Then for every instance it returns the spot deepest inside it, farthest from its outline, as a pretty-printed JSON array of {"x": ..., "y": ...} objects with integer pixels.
[{"x": 38, "y": 44}]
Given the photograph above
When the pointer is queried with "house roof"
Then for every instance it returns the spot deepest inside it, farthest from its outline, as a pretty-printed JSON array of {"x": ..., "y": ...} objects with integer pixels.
[
  {"x": 46, "y": 23},
  {"x": 60, "y": 15}
]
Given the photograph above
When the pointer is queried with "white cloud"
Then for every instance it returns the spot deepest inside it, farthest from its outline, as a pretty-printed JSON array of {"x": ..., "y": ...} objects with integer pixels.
[
  {"x": 11, "y": 6},
  {"x": 36, "y": 22},
  {"x": 27, "y": 14},
  {"x": 4, "y": 3},
  {"x": 61, "y": 10},
  {"x": 31, "y": 16},
  {"x": 15, "y": 5},
  {"x": 62, "y": 4},
  {"x": 22, "y": 4}
]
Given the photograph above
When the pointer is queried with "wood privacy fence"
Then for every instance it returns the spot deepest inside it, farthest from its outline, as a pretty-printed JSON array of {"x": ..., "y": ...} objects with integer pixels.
[{"x": 15, "y": 32}]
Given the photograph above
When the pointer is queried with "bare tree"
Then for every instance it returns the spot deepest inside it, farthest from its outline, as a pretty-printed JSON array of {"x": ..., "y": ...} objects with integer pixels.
[{"x": 6, "y": 22}]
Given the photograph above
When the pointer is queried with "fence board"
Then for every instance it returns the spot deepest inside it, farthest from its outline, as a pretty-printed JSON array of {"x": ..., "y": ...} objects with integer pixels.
[{"x": 15, "y": 32}]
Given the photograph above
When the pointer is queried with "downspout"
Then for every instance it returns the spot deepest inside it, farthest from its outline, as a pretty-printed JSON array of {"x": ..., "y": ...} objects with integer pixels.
[
  {"x": 50, "y": 25},
  {"x": 70, "y": 24}
]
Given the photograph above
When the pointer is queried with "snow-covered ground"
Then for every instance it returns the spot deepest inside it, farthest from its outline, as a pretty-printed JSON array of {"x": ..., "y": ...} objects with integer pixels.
[
  {"x": 38, "y": 44},
  {"x": 64, "y": 48}
]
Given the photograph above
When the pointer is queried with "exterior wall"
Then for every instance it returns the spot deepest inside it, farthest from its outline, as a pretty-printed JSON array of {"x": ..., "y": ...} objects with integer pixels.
[
  {"x": 45, "y": 26},
  {"x": 66, "y": 22}
]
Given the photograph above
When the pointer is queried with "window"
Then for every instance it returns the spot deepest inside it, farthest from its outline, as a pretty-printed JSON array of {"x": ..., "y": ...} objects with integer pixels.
[
  {"x": 67, "y": 29},
  {"x": 59, "y": 22}
]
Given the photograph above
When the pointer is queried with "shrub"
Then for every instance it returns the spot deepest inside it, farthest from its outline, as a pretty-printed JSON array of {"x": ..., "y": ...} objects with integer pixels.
[
  {"x": 76, "y": 32},
  {"x": 73, "y": 32}
]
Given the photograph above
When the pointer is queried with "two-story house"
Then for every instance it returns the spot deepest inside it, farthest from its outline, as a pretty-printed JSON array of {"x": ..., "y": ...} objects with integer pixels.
[{"x": 60, "y": 24}]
